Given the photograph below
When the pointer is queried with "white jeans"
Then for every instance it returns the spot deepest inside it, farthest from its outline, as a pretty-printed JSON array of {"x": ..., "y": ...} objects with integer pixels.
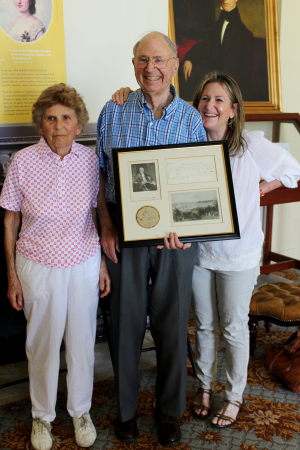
[
  {"x": 221, "y": 300},
  {"x": 60, "y": 304}
]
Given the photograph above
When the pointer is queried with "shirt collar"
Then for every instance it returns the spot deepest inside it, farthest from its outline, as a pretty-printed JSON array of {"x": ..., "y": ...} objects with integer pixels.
[
  {"x": 221, "y": 8},
  {"x": 229, "y": 15},
  {"x": 169, "y": 110},
  {"x": 44, "y": 149}
]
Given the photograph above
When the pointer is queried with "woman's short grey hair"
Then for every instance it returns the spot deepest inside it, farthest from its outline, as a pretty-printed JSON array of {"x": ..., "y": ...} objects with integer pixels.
[
  {"x": 169, "y": 41},
  {"x": 59, "y": 94}
]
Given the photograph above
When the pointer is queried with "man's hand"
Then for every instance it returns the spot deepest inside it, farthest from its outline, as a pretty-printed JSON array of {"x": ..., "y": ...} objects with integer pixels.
[
  {"x": 15, "y": 293},
  {"x": 109, "y": 236},
  {"x": 187, "y": 69},
  {"x": 104, "y": 278},
  {"x": 109, "y": 240},
  {"x": 173, "y": 243},
  {"x": 121, "y": 95}
]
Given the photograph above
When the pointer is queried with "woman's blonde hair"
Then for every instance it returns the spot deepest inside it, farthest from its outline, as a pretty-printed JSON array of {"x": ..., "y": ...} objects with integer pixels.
[
  {"x": 61, "y": 94},
  {"x": 236, "y": 143}
]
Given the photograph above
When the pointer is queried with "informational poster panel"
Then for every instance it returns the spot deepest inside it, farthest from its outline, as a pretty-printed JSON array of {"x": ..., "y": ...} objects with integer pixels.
[{"x": 32, "y": 54}]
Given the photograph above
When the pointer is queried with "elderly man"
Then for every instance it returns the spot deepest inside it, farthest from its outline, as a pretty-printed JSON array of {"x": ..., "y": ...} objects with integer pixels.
[{"x": 154, "y": 115}]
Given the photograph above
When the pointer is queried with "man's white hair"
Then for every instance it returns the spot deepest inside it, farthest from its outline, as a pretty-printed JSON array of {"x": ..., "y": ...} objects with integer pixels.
[{"x": 169, "y": 41}]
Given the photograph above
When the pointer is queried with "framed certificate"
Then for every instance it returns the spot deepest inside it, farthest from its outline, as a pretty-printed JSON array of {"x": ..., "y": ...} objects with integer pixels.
[{"x": 181, "y": 188}]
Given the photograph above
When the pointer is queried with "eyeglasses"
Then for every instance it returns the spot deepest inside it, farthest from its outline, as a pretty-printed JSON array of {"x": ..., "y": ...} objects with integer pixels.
[{"x": 157, "y": 61}]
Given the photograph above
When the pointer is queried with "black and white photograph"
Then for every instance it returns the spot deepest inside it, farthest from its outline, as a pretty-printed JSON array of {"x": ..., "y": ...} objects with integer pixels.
[
  {"x": 195, "y": 206},
  {"x": 143, "y": 177},
  {"x": 144, "y": 180}
]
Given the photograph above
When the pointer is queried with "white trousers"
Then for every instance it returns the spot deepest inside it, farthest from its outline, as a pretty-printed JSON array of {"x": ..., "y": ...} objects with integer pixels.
[
  {"x": 60, "y": 304},
  {"x": 221, "y": 300}
]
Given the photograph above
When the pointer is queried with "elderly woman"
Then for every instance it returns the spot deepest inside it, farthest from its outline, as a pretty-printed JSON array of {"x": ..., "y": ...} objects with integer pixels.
[
  {"x": 26, "y": 27},
  {"x": 54, "y": 267},
  {"x": 226, "y": 271}
]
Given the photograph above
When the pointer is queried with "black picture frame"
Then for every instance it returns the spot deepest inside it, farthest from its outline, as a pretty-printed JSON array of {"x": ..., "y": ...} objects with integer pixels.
[{"x": 179, "y": 167}]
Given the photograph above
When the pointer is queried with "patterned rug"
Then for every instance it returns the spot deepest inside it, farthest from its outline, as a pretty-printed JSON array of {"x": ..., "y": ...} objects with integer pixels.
[{"x": 270, "y": 418}]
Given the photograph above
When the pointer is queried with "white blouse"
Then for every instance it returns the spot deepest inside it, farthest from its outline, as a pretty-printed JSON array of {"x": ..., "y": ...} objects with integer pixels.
[{"x": 262, "y": 159}]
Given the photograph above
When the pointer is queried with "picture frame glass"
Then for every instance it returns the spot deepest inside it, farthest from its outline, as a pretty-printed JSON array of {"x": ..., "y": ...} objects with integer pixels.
[{"x": 184, "y": 188}]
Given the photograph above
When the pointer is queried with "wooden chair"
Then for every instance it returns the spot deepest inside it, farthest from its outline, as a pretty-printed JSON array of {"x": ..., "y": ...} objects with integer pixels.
[{"x": 277, "y": 303}]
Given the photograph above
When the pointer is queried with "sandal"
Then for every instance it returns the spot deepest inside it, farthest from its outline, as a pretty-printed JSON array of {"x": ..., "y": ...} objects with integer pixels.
[
  {"x": 224, "y": 417},
  {"x": 198, "y": 404}
]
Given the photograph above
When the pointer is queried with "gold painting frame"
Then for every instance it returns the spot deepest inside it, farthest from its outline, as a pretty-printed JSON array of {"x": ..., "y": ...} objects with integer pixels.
[{"x": 274, "y": 105}]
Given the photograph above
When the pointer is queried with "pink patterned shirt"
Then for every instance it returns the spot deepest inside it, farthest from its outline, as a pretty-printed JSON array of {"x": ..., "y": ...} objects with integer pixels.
[{"x": 55, "y": 198}]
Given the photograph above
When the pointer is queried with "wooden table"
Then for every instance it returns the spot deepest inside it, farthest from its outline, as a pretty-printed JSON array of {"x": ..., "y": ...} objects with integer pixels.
[{"x": 276, "y": 197}]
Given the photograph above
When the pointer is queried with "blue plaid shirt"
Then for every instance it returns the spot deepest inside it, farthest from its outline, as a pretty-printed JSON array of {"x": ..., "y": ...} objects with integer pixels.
[{"x": 133, "y": 125}]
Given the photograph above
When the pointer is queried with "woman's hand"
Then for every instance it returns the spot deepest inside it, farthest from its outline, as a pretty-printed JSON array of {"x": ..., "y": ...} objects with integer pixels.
[
  {"x": 120, "y": 96},
  {"x": 104, "y": 278},
  {"x": 268, "y": 186},
  {"x": 15, "y": 293},
  {"x": 187, "y": 69},
  {"x": 11, "y": 226},
  {"x": 173, "y": 243}
]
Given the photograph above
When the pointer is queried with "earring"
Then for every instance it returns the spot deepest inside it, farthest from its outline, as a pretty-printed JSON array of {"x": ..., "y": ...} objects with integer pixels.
[{"x": 230, "y": 122}]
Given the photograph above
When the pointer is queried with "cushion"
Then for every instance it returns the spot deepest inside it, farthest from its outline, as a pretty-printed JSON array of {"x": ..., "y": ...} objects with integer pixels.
[{"x": 279, "y": 300}]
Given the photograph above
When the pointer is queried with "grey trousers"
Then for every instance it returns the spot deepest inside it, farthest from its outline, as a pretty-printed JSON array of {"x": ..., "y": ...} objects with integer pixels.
[
  {"x": 171, "y": 273},
  {"x": 221, "y": 299}
]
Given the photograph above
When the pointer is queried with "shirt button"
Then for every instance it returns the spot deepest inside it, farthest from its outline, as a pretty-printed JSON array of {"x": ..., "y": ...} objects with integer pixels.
[{"x": 150, "y": 124}]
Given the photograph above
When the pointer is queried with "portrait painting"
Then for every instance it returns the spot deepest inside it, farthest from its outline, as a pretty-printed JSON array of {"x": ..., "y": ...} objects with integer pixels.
[
  {"x": 237, "y": 37},
  {"x": 25, "y": 20},
  {"x": 144, "y": 180},
  {"x": 195, "y": 206}
]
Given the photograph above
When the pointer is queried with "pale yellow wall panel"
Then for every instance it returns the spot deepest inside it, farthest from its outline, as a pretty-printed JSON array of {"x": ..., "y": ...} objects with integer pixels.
[{"x": 286, "y": 221}]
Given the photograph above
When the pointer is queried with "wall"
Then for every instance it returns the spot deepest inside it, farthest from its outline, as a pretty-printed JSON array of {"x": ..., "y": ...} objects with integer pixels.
[
  {"x": 99, "y": 39},
  {"x": 286, "y": 236},
  {"x": 286, "y": 219},
  {"x": 99, "y": 36},
  {"x": 99, "y": 52}
]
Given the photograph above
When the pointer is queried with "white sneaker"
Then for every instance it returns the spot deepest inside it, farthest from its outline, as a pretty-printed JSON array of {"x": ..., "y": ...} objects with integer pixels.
[
  {"x": 85, "y": 432},
  {"x": 41, "y": 437}
]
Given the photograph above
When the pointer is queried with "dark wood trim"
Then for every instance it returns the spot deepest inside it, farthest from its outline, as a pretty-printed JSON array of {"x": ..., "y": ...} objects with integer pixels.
[
  {"x": 277, "y": 257},
  {"x": 281, "y": 195},
  {"x": 276, "y": 197},
  {"x": 268, "y": 235},
  {"x": 277, "y": 267},
  {"x": 293, "y": 118},
  {"x": 269, "y": 318},
  {"x": 253, "y": 322},
  {"x": 276, "y": 132}
]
